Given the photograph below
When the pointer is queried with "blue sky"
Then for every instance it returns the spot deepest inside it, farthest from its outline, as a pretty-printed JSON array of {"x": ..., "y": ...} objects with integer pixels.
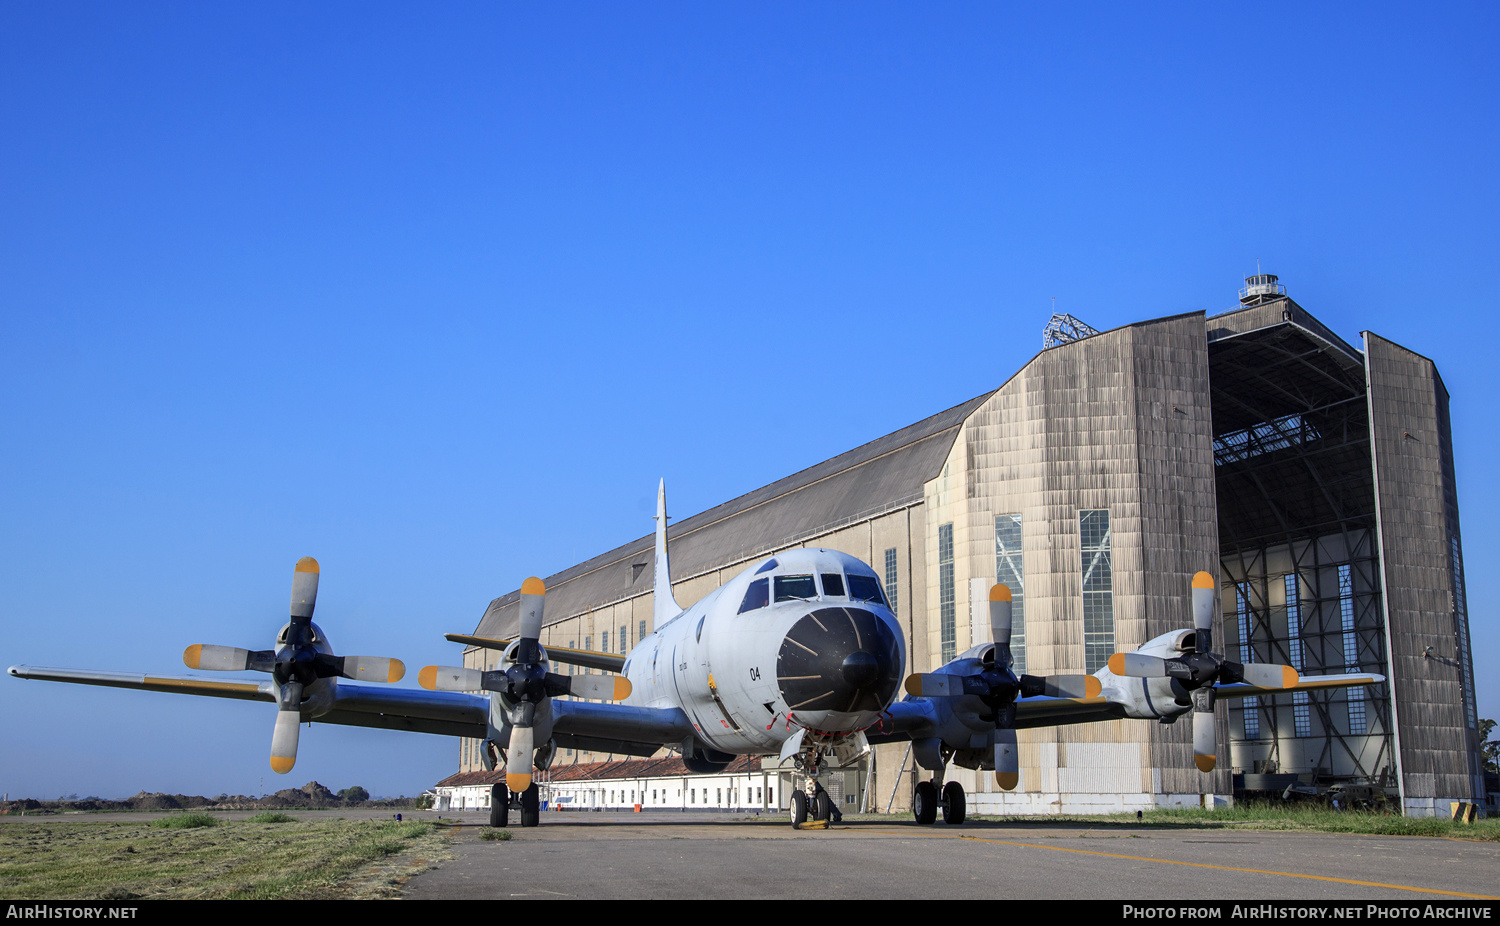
[{"x": 437, "y": 295}]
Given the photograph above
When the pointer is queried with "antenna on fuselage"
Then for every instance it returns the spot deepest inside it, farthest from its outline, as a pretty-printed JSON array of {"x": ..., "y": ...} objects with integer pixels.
[{"x": 664, "y": 606}]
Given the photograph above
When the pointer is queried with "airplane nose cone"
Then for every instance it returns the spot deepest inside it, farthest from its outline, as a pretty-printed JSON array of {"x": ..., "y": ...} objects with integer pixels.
[
  {"x": 839, "y": 659},
  {"x": 860, "y": 669}
]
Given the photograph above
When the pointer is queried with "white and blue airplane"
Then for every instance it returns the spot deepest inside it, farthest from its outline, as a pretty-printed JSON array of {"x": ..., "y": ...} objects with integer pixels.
[{"x": 798, "y": 657}]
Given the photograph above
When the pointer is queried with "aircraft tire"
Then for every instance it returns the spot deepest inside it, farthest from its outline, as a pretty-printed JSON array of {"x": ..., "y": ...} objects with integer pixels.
[
  {"x": 825, "y": 807},
  {"x": 954, "y": 808},
  {"x": 531, "y": 800},
  {"x": 924, "y": 803},
  {"x": 499, "y": 805},
  {"x": 799, "y": 808}
]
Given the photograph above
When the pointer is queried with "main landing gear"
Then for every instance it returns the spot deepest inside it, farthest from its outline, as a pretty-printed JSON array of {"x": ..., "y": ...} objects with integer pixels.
[
  {"x": 925, "y": 803},
  {"x": 528, "y": 802}
]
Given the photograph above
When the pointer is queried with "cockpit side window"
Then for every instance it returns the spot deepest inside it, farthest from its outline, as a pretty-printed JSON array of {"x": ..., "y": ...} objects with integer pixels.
[
  {"x": 789, "y": 588},
  {"x": 757, "y": 596},
  {"x": 865, "y": 588},
  {"x": 769, "y": 565},
  {"x": 833, "y": 585}
]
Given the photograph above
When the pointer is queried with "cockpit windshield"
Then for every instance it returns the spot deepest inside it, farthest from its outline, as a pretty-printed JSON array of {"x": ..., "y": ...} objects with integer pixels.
[
  {"x": 833, "y": 585},
  {"x": 790, "y": 588},
  {"x": 758, "y": 595},
  {"x": 865, "y": 588}
]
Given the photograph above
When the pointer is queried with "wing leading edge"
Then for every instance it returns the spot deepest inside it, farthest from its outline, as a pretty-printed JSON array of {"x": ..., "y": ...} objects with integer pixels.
[{"x": 442, "y": 713}]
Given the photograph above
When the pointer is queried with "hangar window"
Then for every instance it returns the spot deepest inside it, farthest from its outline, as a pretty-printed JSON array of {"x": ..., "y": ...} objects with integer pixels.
[
  {"x": 865, "y": 588},
  {"x": 947, "y": 606},
  {"x": 890, "y": 576},
  {"x": 795, "y": 587},
  {"x": 1011, "y": 570},
  {"x": 1266, "y": 437},
  {"x": 1095, "y": 542},
  {"x": 833, "y": 585},
  {"x": 756, "y": 596}
]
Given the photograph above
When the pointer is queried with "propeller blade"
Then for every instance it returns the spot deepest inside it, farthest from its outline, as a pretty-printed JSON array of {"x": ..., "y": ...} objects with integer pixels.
[
  {"x": 288, "y": 722},
  {"x": 304, "y": 588},
  {"x": 933, "y": 685},
  {"x": 1268, "y": 675},
  {"x": 1205, "y": 753},
  {"x": 1203, "y": 610},
  {"x": 450, "y": 678},
  {"x": 1137, "y": 665},
  {"x": 216, "y": 658},
  {"x": 1007, "y": 759},
  {"x": 518, "y": 759},
  {"x": 533, "y": 596},
  {"x": 1072, "y": 686},
  {"x": 374, "y": 669},
  {"x": 599, "y": 687},
  {"x": 1000, "y": 611}
]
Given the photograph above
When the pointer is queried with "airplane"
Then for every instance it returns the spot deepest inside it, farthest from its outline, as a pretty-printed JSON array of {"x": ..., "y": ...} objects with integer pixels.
[{"x": 799, "y": 656}]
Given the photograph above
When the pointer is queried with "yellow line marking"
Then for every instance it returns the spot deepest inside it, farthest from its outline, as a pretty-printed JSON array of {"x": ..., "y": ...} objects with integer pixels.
[{"x": 1167, "y": 861}]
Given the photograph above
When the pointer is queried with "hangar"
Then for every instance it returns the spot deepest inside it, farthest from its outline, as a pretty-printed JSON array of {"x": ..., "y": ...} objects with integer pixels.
[{"x": 1314, "y": 477}]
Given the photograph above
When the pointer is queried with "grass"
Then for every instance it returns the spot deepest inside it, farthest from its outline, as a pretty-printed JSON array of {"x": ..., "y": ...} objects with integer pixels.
[
  {"x": 272, "y": 816},
  {"x": 233, "y": 860},
  {"x": 185, "y": 821},
  {"x": 495, "y": 835}
]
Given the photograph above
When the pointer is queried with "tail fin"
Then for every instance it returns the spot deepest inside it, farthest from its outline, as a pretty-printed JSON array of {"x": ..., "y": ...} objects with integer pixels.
[{"x": 664, "y": 607}]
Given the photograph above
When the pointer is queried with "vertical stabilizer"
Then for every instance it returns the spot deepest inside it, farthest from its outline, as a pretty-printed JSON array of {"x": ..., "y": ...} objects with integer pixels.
[{"x": 664, "y": 607}]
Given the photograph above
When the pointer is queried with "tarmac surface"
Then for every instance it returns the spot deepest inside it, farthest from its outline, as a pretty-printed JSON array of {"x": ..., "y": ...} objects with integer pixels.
[{"x": 722, "y": 857}]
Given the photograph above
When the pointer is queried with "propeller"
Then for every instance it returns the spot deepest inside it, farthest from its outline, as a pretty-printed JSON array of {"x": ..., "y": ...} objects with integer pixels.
[
  {"x": 526, "y": 684},
  {"x": 998, "y": 687},
  {"x": 296, "y": 664},
  {"x": 1200, "y": 671}
]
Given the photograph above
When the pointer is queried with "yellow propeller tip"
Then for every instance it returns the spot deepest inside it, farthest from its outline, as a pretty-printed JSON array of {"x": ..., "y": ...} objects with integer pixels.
[
  {"x": 999, "y": 592},
  {"x": 622, "y": 688},
  {"x": 913, "y": 685},
  {"x": 1007, "y": 780},
  {"x": 427, "y": 677},
  {"x": 306, "y": 564},
  {"x": 398, "y": 671},
  {"x": 282, "y": 764},
  {"x": 517, "y": 782},
  {"x": 1205, "y": 763},
  {"x": 533, "y": 586},
  {"x": 1092, "y": 687},
  {"x": 1117, "y": 663},
  {"x": 1203, "y": 580},
  {"x": 192, "y": 655}
]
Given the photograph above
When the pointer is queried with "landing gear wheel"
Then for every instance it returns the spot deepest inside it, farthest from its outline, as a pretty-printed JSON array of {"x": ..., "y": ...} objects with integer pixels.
[
  {"x": 825, "y": 807},
  {"x": 530, "y": 806},
  {"x": 799, "y": 808},
  {"x": 954, "y": 809},
  {"x": 499, "y": 805},
  {"x": 924, "y": 804}
]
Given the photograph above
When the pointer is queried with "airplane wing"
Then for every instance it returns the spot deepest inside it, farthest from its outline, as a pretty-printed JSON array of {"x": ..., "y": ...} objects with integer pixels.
[
  {"x": 441, "y": 712},
  {"x": 607, "y": 662},
  {"x": 619, "y": 728},
  {"x": 918, "y": 718}
]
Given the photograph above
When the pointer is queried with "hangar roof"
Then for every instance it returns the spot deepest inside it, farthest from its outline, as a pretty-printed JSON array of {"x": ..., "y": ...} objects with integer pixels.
[
  {"x": 883, "y": 475},
  {"x": 1291, "y": 436}
]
